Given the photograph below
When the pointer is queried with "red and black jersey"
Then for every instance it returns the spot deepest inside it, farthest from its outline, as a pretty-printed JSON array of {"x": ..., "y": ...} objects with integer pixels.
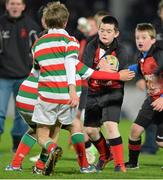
[
  {"x": 148, "y": 67},
  {"x": 92, "y": 57}
]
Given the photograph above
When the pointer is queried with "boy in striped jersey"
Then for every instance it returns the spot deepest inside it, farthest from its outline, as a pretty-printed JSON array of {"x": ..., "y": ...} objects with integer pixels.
[
  {"x": 55, "y": 54},
  {"x": 39, "y": 55}
]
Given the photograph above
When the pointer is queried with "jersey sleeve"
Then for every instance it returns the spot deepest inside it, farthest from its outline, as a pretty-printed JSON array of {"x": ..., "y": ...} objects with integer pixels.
[
  {"x": 83, "y": 70},
  {"x": 71, "y": 55}
]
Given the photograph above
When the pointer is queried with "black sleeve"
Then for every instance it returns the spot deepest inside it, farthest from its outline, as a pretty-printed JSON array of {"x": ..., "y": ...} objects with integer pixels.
[
  {"x": 138, "y": 77},
  {"x": 123, "y": 58},
  {"x": 34, "y": 30},
  {"x": 83, "y": 98},
  {"x": 88, "y": 55},
  {"x": 87, "y": 60},
  {"x": 159, "y": 58}
]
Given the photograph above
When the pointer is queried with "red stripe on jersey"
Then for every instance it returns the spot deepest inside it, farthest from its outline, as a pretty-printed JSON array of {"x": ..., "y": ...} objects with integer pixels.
[
  {"x": 51, "y": 50},
  {"x": 84, "y": 83},
  {"x": 54, "y": 35},
  {"x": 79, "y": 66},
  {"x": 28, "y": 89},
  {"x": 58, "y": 84},
  {"x": 52, "y": 68},
  {"x": 134, "y": 147},
  {"x": 25, "y": 106},
  {"x": 57, "y": 101},
  {"x": 72, "y": 48}
]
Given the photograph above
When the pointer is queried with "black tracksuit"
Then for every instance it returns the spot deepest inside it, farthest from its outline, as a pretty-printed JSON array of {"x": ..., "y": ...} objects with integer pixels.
[{"x": 17, "y": 36}]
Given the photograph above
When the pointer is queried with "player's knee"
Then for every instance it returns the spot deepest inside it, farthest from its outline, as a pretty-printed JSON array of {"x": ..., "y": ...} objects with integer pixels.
[
  {"x": 89, "y": 131},
  {"x": 136, "y": 132},
  {"x": 77, "y": 126},
  {"x": 111, "y": 127},
  {"x": 92, "y": 132}
]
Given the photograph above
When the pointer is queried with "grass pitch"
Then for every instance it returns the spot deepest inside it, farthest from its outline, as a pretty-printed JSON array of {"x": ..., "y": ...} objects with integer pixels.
[{"x": 67, "y": 167}]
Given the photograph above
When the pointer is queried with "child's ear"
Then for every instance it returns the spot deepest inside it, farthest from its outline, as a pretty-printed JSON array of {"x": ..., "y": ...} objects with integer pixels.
[
  {"x": 116, "y": 34},
  {"x": 153, "y": 41}
]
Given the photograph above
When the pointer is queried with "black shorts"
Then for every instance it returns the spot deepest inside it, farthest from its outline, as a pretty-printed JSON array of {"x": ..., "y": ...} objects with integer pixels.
[
  {"x": 104, "y": 107},
  {"x": 147, "y": 116}
]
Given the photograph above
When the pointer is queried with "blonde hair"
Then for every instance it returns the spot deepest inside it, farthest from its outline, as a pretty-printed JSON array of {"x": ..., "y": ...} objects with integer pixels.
[
  {"x": 147, "y": 27},
  {"x": 55, "y": 15},
  {"x": 99, "y": 15}
]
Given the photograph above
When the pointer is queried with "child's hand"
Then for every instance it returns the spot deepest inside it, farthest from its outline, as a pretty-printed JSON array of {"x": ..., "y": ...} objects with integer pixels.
[
  {"x": 158, "y": 104},
  {"x": 126, "y": 75},
  {"x": 74, "y": 99},
  {"x": 105, "y": 66}
]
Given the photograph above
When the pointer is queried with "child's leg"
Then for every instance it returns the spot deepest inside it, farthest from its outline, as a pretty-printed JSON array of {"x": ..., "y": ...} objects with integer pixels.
[
  {"x": 44, "y": 116},
  {"x": 134, "y": 146},
  {"x": 40, "y": 164},
  {"x": 99, "y": 142},
  {"x": 144, "y": 118},
  {"x": 25, "y": 145},
  {"x": 116, "y": 145},
  {"x": 78, "y": 142}
]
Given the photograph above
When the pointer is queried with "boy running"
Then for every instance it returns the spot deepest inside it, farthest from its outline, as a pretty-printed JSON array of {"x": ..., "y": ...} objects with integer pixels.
[
  {"x": 149, "y": 62},
  {"x": 105, "y": 98}
]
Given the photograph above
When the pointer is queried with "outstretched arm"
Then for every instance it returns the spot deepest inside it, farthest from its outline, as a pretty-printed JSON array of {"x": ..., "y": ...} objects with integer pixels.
[
  {"x": 123, "y": 75},
  {"x": 86, "y": 72}
]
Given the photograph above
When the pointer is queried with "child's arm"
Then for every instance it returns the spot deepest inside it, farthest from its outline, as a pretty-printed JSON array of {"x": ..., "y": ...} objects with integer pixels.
[
  {"x": 70, "y": 73},
  {"x": 123, "y": 75},
  {"x": 133, "y": 67},
  {"x": 70, "y": 70},
  {"x": 86, "y": 72},
  {"x": 70, "y": 67}
]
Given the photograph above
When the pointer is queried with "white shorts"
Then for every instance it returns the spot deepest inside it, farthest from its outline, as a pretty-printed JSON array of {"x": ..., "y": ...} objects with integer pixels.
[{"x": 49, "y": 113}]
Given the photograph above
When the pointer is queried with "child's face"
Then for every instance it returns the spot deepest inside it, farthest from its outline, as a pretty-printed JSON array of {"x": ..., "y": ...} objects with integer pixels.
[
  {"x": 107, "y": 33},
  {"x": 143, "y": 40}
]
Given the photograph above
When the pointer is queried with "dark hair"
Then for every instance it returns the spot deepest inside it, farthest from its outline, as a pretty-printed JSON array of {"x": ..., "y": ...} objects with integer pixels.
[{"x": 111, "y": 20}]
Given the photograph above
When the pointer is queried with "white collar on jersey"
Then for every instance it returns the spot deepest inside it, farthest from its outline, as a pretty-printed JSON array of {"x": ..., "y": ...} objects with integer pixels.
[{"x": 50, "y": 31}]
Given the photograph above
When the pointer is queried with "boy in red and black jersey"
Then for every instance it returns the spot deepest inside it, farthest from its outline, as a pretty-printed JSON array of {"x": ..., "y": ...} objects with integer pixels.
[
  {"x": 149, "y": 64},
  {"x": 105, "y": 98}
]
